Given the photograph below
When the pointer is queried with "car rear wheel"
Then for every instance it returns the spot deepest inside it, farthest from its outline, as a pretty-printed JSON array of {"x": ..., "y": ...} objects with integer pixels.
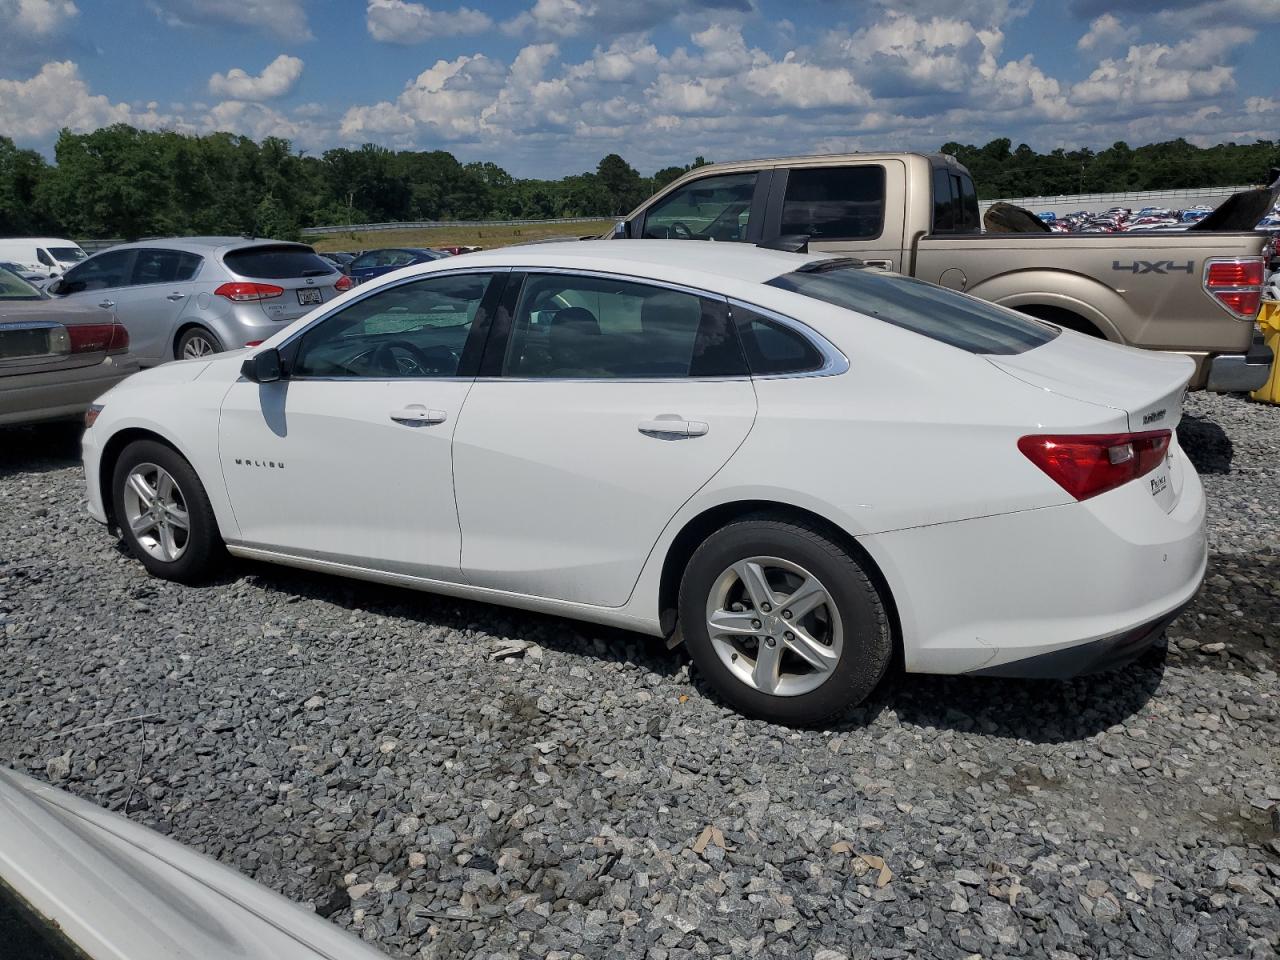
[
  {"x": 163, "y": 513},
  {"x": 196, "y": 343},
  {"x": 784, "y": 624}
]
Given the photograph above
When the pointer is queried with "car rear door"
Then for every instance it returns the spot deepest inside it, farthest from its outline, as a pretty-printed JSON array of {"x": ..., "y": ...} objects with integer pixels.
[
  {"x": 150, "y": 305},
  {"x": 603, "y": 406}
]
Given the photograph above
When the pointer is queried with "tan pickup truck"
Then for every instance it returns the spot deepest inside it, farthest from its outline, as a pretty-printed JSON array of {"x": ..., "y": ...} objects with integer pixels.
[{"x": 1194, "y": 292}]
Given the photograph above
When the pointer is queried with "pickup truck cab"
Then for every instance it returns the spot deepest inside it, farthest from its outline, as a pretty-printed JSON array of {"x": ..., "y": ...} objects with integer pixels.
[{"x": 1195, "y": 292}]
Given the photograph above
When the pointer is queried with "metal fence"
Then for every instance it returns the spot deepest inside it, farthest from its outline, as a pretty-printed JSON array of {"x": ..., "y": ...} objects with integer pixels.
[{"x": 436, "y": 224}]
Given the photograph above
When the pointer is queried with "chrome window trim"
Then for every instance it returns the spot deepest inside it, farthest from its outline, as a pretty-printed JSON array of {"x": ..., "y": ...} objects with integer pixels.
[
  {"x": 27, "y": 324},
  {"x": 834, "y": 362}
]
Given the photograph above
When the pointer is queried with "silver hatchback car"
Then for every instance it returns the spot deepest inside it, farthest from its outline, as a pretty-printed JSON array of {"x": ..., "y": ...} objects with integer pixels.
[{"x": 188, "y": 297}]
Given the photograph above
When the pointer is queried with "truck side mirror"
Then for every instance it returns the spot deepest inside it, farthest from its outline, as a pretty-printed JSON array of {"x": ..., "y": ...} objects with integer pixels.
[{"x": 263, "y": 367}]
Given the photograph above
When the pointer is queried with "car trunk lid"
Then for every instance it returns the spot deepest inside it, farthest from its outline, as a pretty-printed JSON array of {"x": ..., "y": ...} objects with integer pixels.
[
  {"x": 1147, "y": 387},
  {"x": 36, "y": 336}
]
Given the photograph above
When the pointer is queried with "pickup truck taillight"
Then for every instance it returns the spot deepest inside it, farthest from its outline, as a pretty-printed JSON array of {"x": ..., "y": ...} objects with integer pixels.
[
  {"x": 1236, "y": 284},
  {"x": 1086, "y": 465}
]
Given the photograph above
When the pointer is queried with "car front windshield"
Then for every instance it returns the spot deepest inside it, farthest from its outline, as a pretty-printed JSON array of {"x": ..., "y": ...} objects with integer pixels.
[
  {"x": 13, "y": 287},
  {"x": 924, "y": 308}
]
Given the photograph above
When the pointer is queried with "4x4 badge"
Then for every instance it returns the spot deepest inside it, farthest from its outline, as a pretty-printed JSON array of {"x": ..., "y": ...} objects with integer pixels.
[{"x": 1157, "y": 266}]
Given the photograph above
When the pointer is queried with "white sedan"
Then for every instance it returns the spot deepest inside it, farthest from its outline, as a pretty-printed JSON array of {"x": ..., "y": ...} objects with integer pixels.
[{"x": 805, "y": 466}]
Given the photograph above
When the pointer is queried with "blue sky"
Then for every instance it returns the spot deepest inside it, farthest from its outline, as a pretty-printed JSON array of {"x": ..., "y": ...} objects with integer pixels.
[{"x": 547, "y": 87}]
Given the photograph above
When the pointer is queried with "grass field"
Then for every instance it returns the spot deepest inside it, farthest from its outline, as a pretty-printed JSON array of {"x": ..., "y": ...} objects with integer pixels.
[{"x": 487, "y": 237}]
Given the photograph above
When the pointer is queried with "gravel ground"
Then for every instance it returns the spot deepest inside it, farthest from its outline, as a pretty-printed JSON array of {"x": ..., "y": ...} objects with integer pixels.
[{"x": 446, "y": 779}]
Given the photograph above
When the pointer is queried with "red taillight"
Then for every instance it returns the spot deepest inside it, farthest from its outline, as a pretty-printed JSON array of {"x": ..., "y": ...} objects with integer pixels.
[
  {"x": 97, "y": 338},
  {"x": 1086, "y": 465},
  {"x": 343, "y": 285},
  {"x": 243, "y": 291},
  {"x": 1236, "y": 284}
]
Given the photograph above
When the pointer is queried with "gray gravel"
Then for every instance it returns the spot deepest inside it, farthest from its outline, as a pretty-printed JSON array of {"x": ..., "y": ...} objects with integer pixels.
[{"x": 446, "y": 779}]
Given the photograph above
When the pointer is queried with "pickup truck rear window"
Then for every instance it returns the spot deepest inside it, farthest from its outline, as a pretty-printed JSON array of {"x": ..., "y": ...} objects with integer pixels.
[{"x": 923, "y": 308}]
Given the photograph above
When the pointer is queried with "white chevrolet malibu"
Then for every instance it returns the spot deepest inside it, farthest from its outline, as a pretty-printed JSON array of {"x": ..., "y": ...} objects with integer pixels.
[{"x": 805, "y": 466}]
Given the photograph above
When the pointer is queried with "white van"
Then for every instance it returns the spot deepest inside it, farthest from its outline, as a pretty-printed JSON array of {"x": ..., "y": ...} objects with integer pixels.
[{"x": 49, "y": 256}]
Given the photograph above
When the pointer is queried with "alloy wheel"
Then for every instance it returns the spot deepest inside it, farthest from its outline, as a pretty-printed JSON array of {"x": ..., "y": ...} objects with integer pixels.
[
  {"x": 156, "y": 512},
  {"x": 774, "y": 626},
  {"x": 196, "y": 347}
]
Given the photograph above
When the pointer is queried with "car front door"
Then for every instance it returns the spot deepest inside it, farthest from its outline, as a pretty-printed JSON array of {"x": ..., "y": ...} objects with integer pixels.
[
  {"x": 602, "y": 407},
  {"x": 149, "y": 307},
  {"x": 97, "y": 281},
  {"x": 348, "y": 458}
]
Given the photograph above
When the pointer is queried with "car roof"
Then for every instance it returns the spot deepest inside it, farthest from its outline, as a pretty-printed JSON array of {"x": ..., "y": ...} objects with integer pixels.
[
  {"x": 204, "y": 245},
  {"x": 652, "y": 259}
]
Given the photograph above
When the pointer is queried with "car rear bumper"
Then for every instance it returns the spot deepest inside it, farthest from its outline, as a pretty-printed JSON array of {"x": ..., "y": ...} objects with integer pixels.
[
  {"x": 1049, "y": 592},
  {"x": 1240, "y": 372},
  {"x": 58, "y": 394}
]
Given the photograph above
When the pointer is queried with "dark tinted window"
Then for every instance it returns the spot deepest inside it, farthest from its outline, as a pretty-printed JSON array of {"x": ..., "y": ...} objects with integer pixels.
[
  {"x": 772, "y": 347},
  {"x": 43, "y": 257},
  {"x": 931, "y": 311},
  {"x": 713, "y": 208},
  {"x": 968, "y": 212},
  {"x": 67, "y": 254},
  {"x": 410, "y": 330},
  {"x": 103, "y": 272},
  {"x": 588, "y": 327},
  {"x": 835, "y": 203},
  {"x": 283, "y": 262},
  {"x": 164, "y": 266},
  {"x": 944, "y": 202}
]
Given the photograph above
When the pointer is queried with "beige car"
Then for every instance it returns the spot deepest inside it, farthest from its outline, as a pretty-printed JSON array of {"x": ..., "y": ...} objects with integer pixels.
[
  {"x": 55, "y": 358},
  {"x": 1194, "y": 292}
]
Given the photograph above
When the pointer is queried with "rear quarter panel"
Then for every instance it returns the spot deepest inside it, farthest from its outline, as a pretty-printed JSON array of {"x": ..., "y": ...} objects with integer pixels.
[{"x": 1144, "y": 290}]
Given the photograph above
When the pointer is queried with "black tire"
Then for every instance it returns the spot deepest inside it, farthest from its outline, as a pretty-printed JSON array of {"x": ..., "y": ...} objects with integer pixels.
[
  {"x": 867, "y": 639},
  {"x": 193, "y": 334},
  {"x": 203, "y": 550}
]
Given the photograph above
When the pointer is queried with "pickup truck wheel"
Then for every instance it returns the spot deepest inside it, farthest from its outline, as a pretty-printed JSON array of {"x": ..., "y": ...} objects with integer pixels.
[{"x": 1065, "y": 319}]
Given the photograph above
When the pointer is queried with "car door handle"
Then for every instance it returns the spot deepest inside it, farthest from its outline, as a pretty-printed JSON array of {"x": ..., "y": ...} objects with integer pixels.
[
  {"x": 106, "y": 304},
  {"x": 176, "y": 296},
  {"x": 669, "y": 426},
  {"x": 886, "y": 264},
  {"x": 416, "y": 415}
]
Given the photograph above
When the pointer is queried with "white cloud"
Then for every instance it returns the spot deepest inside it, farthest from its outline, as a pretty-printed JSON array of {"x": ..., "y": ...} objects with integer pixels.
[
  {"x": 1106, "y": 33},
  {"x": 37, "y": 18},
  {"x": 278, "y": 78},
  {"x": 1157, "y": 73},
  {"x": 398, "y": 21},
  {"x": 983, "y": 12},
  {"x": 287, "y": 19},
  {"x": 55, "y": 97}
]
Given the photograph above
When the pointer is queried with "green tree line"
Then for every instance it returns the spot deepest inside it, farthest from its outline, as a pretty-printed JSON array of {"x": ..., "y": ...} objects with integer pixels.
[{"x": 123, "y": 182}]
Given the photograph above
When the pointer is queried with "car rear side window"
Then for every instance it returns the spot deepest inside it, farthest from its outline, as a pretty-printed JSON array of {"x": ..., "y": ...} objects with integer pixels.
[
  {"x": 164, "y": 266},
  {"x": 578, "y": 327},
  {"x": 282, "y": 262},
  {"x": 835, "y": 203},
  {"x": 772, "y": 347},
  {"x": 931, "y": 311}
]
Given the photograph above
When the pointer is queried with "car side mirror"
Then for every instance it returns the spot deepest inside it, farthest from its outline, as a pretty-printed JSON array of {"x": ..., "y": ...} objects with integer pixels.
[
  {"x": 621, "y": 230},
  {"x": 263, "y": 367},
  {"x": 56, "y": 287}
]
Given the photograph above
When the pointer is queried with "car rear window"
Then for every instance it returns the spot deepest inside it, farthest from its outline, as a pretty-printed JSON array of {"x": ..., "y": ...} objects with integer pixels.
[
  {"x": 13, "y": 287},
  {"x": 281, "y": 262},
  {"x": 924, "y": 308}
]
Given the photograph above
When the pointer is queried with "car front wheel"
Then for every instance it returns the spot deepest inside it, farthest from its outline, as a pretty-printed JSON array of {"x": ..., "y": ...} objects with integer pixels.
[
  {"x": 782, "y": 622},
  {"x": 163, "y": 513}
]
